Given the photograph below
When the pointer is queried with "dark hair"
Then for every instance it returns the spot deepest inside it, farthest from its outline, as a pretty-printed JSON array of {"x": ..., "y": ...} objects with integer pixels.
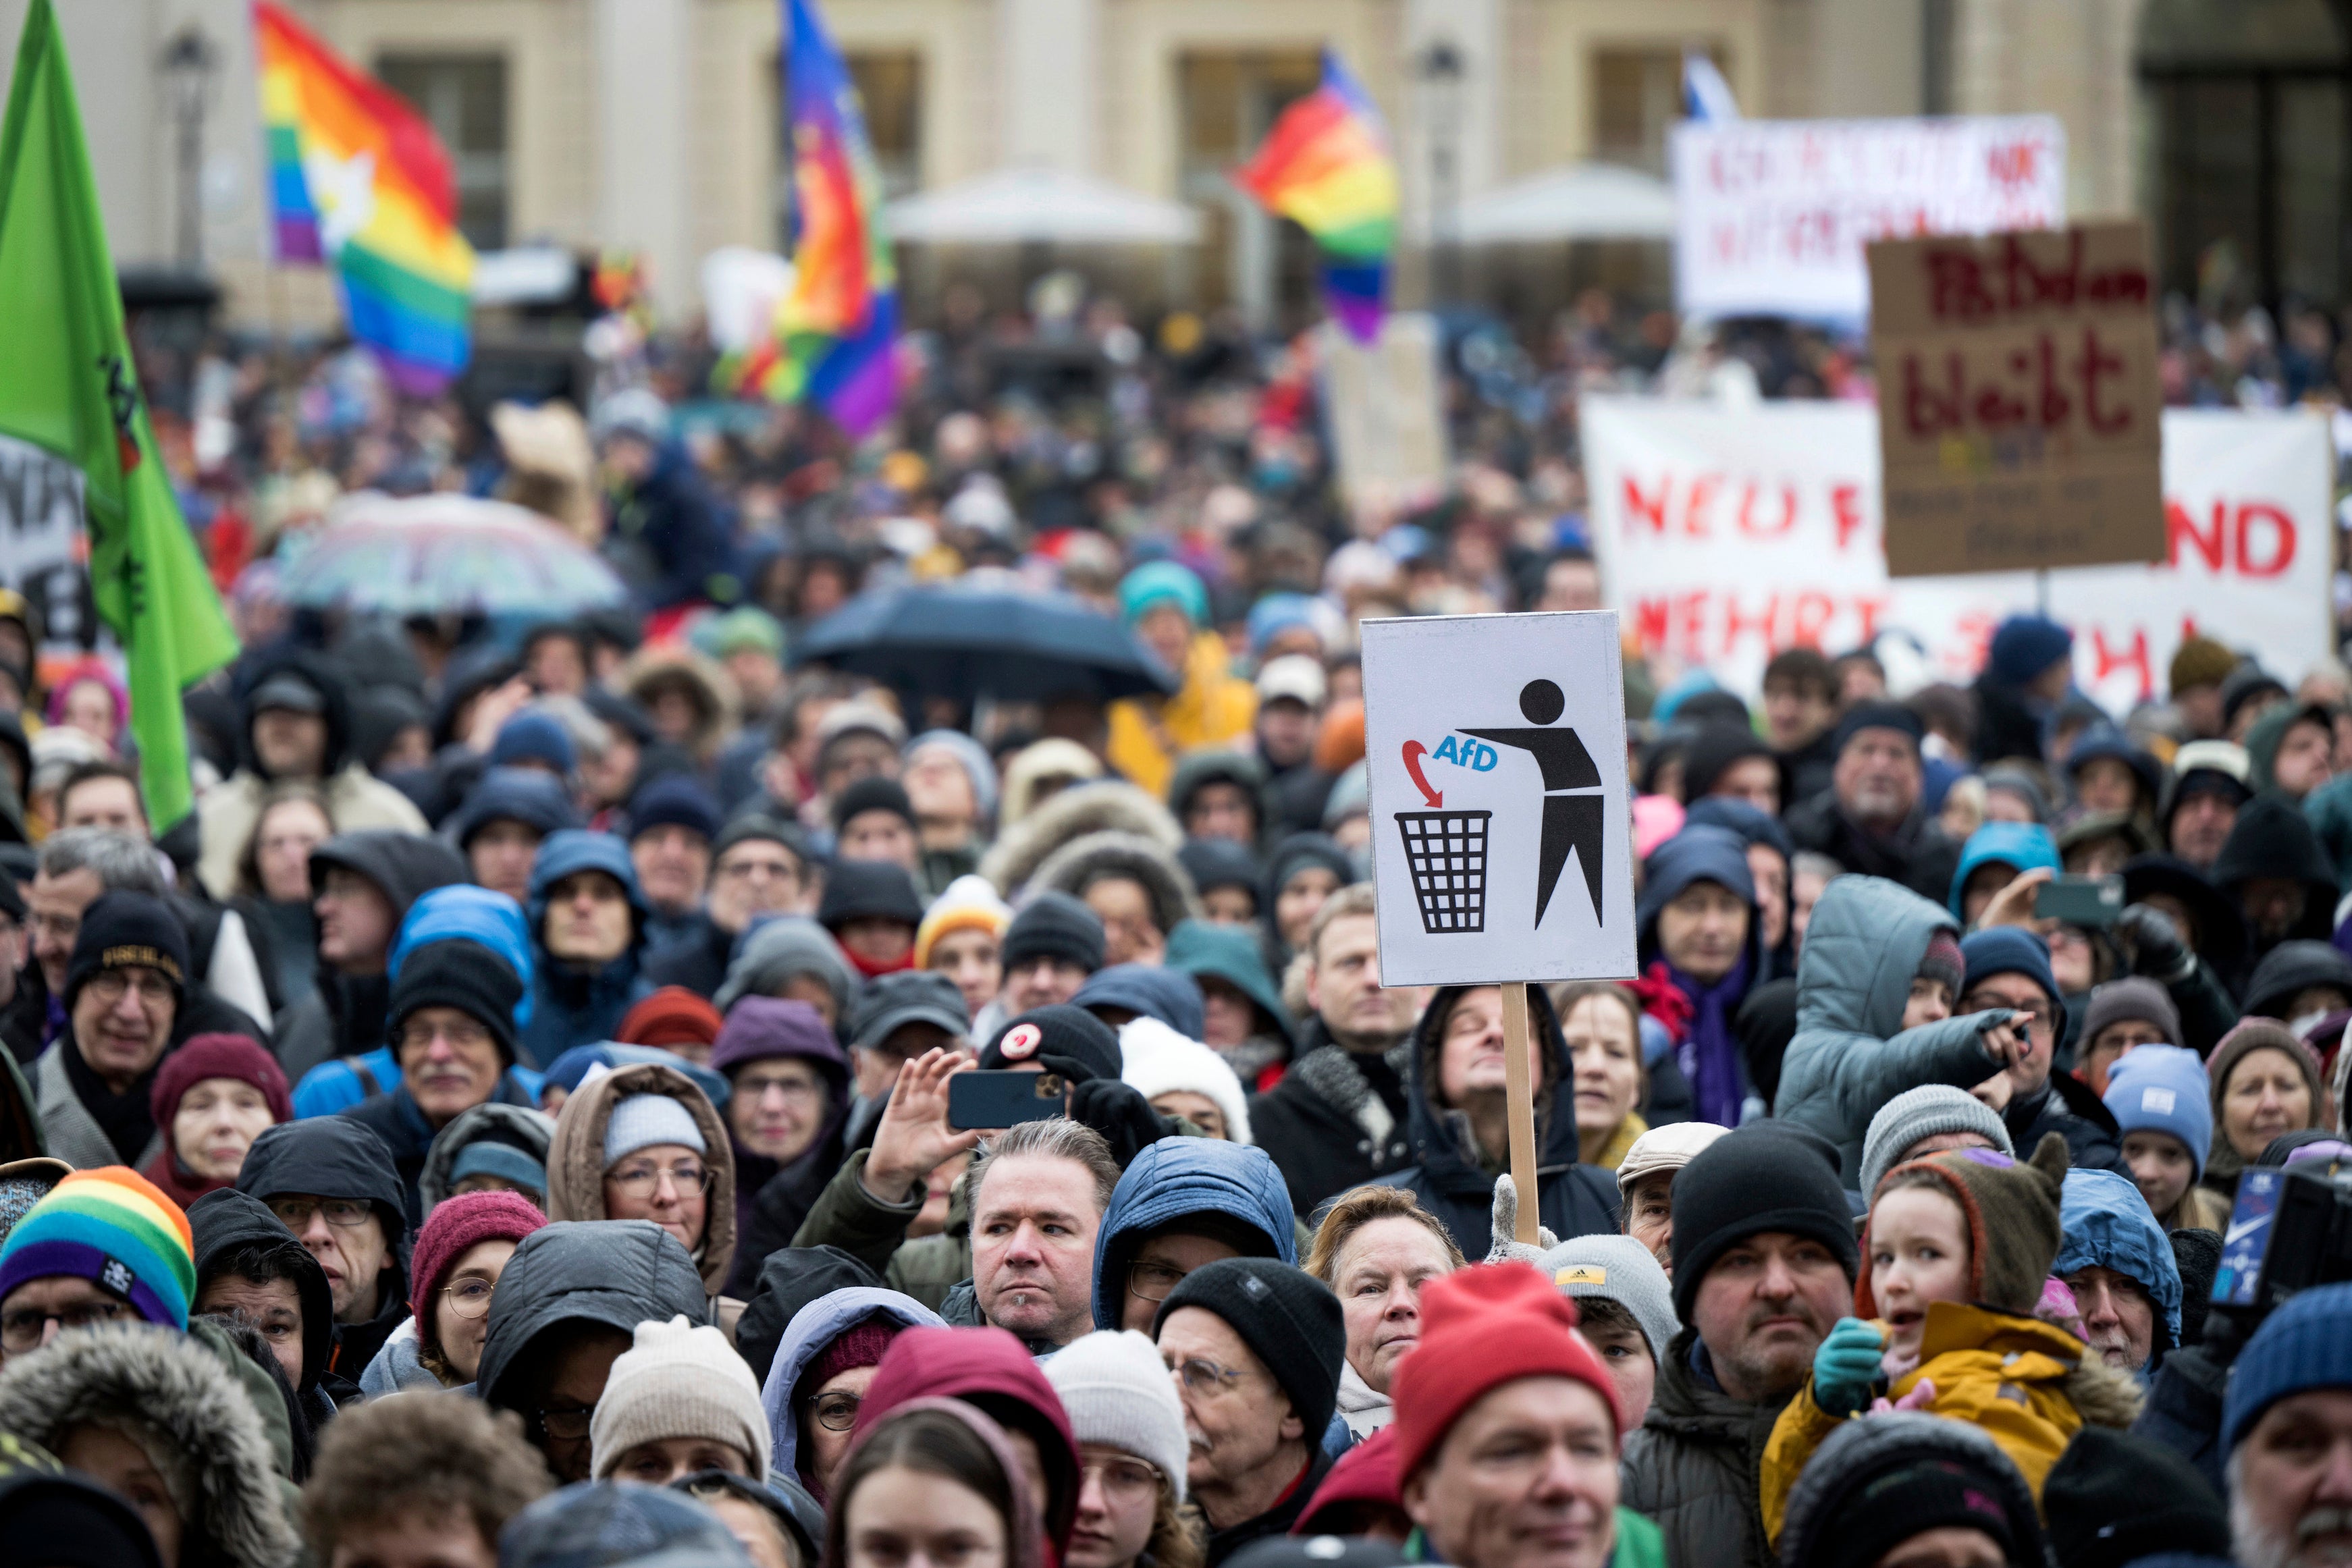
[
  {"x": 102, "y": 767},
  {"x": 1800, "y": 667},
  {"x": 255, "y": 1349},
  {"x": 931, "y": 1443},
  {"x": 262, "y": 1261},
  {"x": 1604, "y": 1314}
]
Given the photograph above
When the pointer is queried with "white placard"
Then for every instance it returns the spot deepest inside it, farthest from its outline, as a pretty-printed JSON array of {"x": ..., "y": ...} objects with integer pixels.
[
  {"x": 1771, "y": 216},
  {"x": 1725, "y": 536},
  {"x": 1501, "y": 831}
]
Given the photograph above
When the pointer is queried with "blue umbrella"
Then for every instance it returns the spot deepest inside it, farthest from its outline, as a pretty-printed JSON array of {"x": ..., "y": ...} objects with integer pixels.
[{"x": 964, "y": 644}]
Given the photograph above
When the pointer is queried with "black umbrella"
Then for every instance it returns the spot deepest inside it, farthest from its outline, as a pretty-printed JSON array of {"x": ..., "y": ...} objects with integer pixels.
[{"x": 961, "y": 644}]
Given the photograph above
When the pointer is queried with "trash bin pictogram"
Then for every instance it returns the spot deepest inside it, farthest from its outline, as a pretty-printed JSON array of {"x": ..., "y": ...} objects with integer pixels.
[{"x": 1447, "y": 852}]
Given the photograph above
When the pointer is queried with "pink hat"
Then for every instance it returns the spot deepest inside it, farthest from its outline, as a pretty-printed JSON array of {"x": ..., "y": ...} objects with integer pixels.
[{"x": 1657, "y": 819}]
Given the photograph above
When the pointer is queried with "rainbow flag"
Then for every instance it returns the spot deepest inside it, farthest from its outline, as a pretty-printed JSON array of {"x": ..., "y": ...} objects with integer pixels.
[
  {"x": 1327, "y": 165},
  {"x": 358, "y": 180},
  {"x": 836, "y": 330}
]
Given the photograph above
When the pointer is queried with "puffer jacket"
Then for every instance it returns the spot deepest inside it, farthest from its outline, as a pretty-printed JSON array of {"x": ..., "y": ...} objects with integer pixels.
[
  {"x": 616, "y": 1272},
  {"x": 812, "y": 1331},
  {"x": 1179, "y": 1177},
  {"x": 525, "y": 1127},
  {"x": 1850, "y": 1054},
  {"x": 570, "y": 1006},
  {"x": 575, "y": 1159},
  {"x": 176, "y": 1386},
  {"x": 1451, "y": 1181},
  {"x": 1694, "y": 1466}
]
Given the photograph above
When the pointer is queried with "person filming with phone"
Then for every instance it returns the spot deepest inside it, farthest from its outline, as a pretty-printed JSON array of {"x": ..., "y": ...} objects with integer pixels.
[{"x": 2009, "y": 967}]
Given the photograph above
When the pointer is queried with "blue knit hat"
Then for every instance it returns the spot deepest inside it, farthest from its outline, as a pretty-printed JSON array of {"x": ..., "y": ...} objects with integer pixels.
[
  {"x": 2307, "y": 1343},
  {"x": 2163, "y": 1089},
  {"x": 1157, "y": 583},
  {"x": 2012, "y": 950},
  {"x": 2025, "y": 645},
  {"x": 533, "y": 737}
]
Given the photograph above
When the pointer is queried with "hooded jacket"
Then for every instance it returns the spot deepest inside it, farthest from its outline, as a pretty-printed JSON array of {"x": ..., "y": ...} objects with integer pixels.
[
  {"x": 1716, "y": 855},
  {"x": 523, "y": 1126},
  {"x": 788, "y": 1280},
  {"x": 575, "y": 1160},
  {"x": 616, "y": 1272},
  {"x": 1091, "y": 857},
  {"x": 345, "y": 1016},
  {"x": 223, "y": 1221},
  {"x": 334, "y": 1156},
  {"x": 1026, "y": 844},
  {"x": 1693, "y": 1465},
  {"x": 569, "y": 1005},
  {"x": 1235, "y": 1187},
  {"x": 812, "y": 1330},
  {"x": 401, "y": 1124},
  {"x": 2274, "y": 840},
  {"x": 2108, "y": 1225},
  {"x": 172, "y": 1386},
  {"x": 1326, "y": 1123},
  {"x": 1450, "y": 1179},
  {"x": 524, "y": 795},
  {"x": 1850, "y": 1054},
  {"x": 772, "y": 1198},
  {"x": 2024, "y": 845}
]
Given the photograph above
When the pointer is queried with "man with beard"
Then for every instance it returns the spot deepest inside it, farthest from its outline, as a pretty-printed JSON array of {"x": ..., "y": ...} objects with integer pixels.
[
  {"x": 2287, "y": 1420},
  {"x": 1869, "y": 819}
]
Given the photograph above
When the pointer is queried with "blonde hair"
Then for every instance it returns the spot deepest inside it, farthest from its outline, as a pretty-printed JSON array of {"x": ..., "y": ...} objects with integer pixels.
[{"x": 1351, "y": 1211}]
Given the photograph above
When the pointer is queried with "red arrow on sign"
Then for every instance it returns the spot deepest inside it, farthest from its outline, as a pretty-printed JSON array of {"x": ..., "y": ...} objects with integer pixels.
[{"x": 1413, "y": 752}]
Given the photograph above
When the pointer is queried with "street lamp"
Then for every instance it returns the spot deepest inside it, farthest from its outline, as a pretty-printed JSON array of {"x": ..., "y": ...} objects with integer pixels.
[
  {"x": 1442, "y": 70},
  {"x": 191, "y": 64}
]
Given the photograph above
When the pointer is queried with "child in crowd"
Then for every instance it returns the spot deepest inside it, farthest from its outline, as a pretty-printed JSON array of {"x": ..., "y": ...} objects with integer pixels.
[{"x": 2163, "y": 1106}]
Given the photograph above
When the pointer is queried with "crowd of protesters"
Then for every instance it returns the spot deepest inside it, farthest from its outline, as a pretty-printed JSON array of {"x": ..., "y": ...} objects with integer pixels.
[{"x": 510, "y": 1121}]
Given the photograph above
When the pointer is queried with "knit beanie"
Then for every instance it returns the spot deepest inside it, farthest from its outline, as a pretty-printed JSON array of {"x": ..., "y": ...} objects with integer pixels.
[
  {"x": 533, "y": 737},
  {"x": 978, "y": 765},
  {"x": 763, "y": 1028},
  {"x": 1621, "y": 1269},
  {"x": 456, "y": 1224},
  {"x": 642, "y": 1121},
  {"x": 2133, "y": 997},
  {"x": 1069, "y": 1039},
  {"x": 1365, "y": 1474},
  {"x": 1118, "y": 1395},
  {"x": 872, "y": 794},
  {"x": 1156, "y": 1059},
  {"x": 2012, "y": 950},
  {"x": 115, "y": 1228},
  {"x": 1157, "y": 583},
  {"x": 1768, "y": 1176},
  {"x": 2163, "y": 1089},
  {"x": 1055, "y": 926},
  {"x": 674, "y": 800},
  {"x": 775, "y": 950},
  {"x": 868, "y": 890},
  {"x": 128, "y": 930},
  {"x": 2011, "y": 1210},
  {"x": 1942, "y": 961},
  {"x": 673, "y": 1016},
  {"x": 2259, "y": 1034},
  {"x": 1920, "y": 1113},
  {"x": 1666, "y": 1148},
  {"x": 1288, "y": 1317},
  {"x": 1877, "y": 716},
  {"x": 1481, "y": 1327},
  {"x": 217, "y": 1056},
  {"x": 678, "y": 1380},
  {"x": 2114, "y": 1498},
  {"x": 2305, "y": 1343},
  {"x": 860, "y": 1345},
  {"x": 2025, "y": 645},
  {"x": 463, "y": 975},
  {"x": 24, "y": 1183},
  {"x": 967, "y": 904}
]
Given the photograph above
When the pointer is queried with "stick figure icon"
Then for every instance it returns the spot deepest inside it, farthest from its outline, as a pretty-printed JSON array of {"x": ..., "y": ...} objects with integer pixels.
[{"x": 1571, "y": 819}]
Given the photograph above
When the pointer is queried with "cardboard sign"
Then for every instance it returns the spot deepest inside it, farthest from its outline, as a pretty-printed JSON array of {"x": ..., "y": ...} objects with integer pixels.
[
  {"x": 2019, "y": 416},
  {"x": 1725, "y": 536},
  {"x": 1388, "y": 431},
  {"x": 1771, "y": 216},
  {"x": 1501, "y": 827}
]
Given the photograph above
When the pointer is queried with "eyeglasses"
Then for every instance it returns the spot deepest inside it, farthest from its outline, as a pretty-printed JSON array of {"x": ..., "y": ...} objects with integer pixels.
[
  {"x": 744, "y": 870},
  {"x": 1152, "y": 1281},
  {"x": 567, "y": 1426},
  {"x": 1204, "y": 1379},
  {"x": 469, "y": 1297},
  {"x": 792, "y": 1088},
  {"x": 343, "y": 1213},
  {"x": 21, "y": 1330},
  {"x": 465, "y": 1035},
  {"x": 109, "y": 986},
  {"x": 2044, "y": 1017},
  {"x": 835, "y": 1412},
  {"x": 1124, "y": 1478},
  {"x": 643, "y": 1181}
]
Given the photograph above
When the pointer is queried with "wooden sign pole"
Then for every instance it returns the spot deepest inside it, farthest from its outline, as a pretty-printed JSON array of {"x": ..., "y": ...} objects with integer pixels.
[{"x": 1518, "y": 1083}]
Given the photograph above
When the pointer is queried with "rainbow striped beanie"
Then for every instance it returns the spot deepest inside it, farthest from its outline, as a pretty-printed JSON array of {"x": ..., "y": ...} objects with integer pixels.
[{"x": 112, "y": 1227}]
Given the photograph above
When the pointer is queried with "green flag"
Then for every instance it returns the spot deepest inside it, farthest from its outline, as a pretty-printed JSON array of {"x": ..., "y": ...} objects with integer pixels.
[{"x": 68, "y": 386}]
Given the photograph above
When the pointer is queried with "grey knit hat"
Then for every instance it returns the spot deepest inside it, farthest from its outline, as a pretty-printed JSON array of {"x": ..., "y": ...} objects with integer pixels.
[
  {"x": 1621, "y": 1269},
  {"x": 1118, "y": 1395},
  {"x": 775, "y": 951},
  {"x": 1922, "y": 1112}
]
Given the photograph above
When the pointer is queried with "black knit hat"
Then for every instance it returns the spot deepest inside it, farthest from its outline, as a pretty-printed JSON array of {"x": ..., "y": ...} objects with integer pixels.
[
  {"x": 2113, "y": 1498},
  {"x": 1769, "y": 1175},
  {"x": 460, "y": 974},
  {"x": 766, "y": 829},
  {"x": 1067, "y": 1038},
  {"x": 872, "y": 795},
  {"x": 1054, "y": 925},
  {"x": 123, "y": 930},
  {"x": 868, "y": 890},
  {"x": 1287, "y": 1316}
]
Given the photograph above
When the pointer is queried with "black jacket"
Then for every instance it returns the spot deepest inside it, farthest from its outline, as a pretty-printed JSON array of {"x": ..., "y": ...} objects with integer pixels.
[
  {"x": 2068, "y": 1108},
  {"x": 1450, "y": 1182},
  {"x": 2184, "y": 1411},
  {"x": 782, "y": 1201},
  {"x": 616, "y": 1272},
  {"x": 1904, "y": 855},
  {"x": 334, "y": 1156},
  {"x": 790, "y": 1279},
  {"x": 1277, "y": 1519},
  {"x": 1325, "y": 1125},
  {"x": 395, "y": 1119},
  {"x": 697, "y": 960},
  {"x": 2273, "y": 839}
]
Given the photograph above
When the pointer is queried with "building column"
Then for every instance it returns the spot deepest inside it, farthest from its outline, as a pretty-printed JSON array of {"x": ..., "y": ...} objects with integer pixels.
[
  {"x": 644, "y": 54},
  {"x": 1051, "y": 62}
]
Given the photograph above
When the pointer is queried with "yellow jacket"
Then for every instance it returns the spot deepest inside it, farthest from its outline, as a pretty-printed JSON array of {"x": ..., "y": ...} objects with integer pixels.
[
  {"x": 2027, "y": 1384},
  {"x": 1148, "y": 735}
]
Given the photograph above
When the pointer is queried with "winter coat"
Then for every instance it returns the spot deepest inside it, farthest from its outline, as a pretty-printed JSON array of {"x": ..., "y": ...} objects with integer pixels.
[
  {"x": 344, "y": 1015},
  {"x": 524, "y": 795},
  {"x": 524, "y": 1127},
  {"x": 2273, "y": 839},
  {"x": 773, "y": 1200},
  {"x": 1450, "y": 1180},
  {"x": 174, "y": 1387},
  {"x": 1090, "y": 857},
  {"x": 2184, "y": 1411},
  {"x": 1364, "y": 1410},
  {"x": 1850, "y": 1054},
  {"x": 1212, "y": 707},
  {"x": 2027, "y": 1384},
  {"x": 342, "y": 1156},
  {"x": 1694, "y": 1466},
  {"x": 1179, "y": 1177},
  {"x": 848, "y": 1216},
  {"x": 669, "y": 538},
  {"x": 2067, "y": 1107},
  {"x": 1696, "y": 854},
  {"x": 223, "y": 1221},
  {"x": 397, "y": 1119},
  {"x": 569, "y": 1005},
  {"x": 697, "y": 958},
  {"x": 21, "y": 1136},
  {"x": 788, "y": 1280},
  {"x": 1082, "y": 810},
  {"x": 812, "y": 1331},
  {"x": 1327, "y": 1128},
  {"x": 73, "y": 1134},
  {"x": 575, "y": 1159},
  {"x": 616, "y": 1272},
  {"x": 1821, "y": 824},
  {"x": 2106, "y": 1224},
  {"x": 1276, "y": 1521}
]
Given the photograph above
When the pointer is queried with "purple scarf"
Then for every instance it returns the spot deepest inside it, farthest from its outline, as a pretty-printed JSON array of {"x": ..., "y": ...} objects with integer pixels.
[{"x": 1709, "y": 1054}]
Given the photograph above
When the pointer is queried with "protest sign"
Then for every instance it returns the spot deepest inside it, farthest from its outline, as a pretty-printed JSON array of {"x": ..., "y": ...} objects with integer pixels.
[
  {"x": 1771, "y": 216},
  {"x": 1727, "y": 534},
  {"x": 1388, "y": 433},
  {"x": 2018, "y": 400},
  {"x": 42, "y": 547}
]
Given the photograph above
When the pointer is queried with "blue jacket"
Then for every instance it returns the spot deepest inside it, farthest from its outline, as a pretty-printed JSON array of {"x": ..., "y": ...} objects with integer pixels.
[
  {"x": 2106, "y": 1224},
  {"x": 810, "y": 1333},
  {"x": 669, "y": 540},
  {"x": 1178, "y": 1176},
  {"x": 2025, "y": 845},
  {"x": 568, "y": 1006}
]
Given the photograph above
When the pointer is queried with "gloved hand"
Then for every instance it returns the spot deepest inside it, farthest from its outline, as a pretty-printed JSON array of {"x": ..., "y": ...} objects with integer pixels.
[
  {"x": 1120, "y": 1113},
  {"x": 1846, "y": 1366},
  {"x": 1503, "y": 1247},
  {"x": 2155, "y": 943}
]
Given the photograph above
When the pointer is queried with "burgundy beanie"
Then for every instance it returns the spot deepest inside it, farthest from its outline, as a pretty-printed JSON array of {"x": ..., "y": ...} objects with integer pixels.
[
  {"x": 1942, "y": 961},
  {"x": 206, "y": 1056},
  {"x": 456, "y": 1224},
  {"x": 1481, "y": 1327},
  {"x": 861, "y": 1344}
]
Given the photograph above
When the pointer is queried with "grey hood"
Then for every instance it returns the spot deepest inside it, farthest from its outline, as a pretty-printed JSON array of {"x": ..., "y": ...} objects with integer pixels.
[
  {"x": 1862, "y": 946},
  {"x": 617, "y": 1272},
  {"x": 529, "y": 1130},
  {"x": 812, "y": 1328}
]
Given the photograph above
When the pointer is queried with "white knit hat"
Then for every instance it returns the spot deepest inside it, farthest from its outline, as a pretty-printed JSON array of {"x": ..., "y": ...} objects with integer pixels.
[
  {"x": 1666, "y": 1148},
  {"x": 678, "y": 1380},
  {"x": 1119, "y": 1394},
  {"x": 1155, "y": 1060},
  {"x": 641, "y": 1121}
]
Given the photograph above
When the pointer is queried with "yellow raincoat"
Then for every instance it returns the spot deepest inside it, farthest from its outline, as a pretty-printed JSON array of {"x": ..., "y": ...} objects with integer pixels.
[{"x": 1149, "y": 734}]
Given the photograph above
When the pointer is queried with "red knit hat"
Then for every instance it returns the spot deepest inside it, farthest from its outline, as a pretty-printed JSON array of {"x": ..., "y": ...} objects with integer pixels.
[
  {"x": 206, "y": 1056},
  {"x": 1366, "y": 1473},
  {"x": 1481, "y": 1327},
  {"x": 672, "y": 1016},
  {"x": 456, "y": 1224}
]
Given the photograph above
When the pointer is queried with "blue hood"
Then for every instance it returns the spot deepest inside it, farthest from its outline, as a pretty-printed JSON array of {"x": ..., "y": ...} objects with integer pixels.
[
  {"x": 1696, "y": 854},
  {"x": 813, "y": 1328},
  {"x": 476, "y": 914},
  {"x": 1177, "y": 1176},
  {"x": 574, "y": 849},
  {"x": 2106, "y": 1224},
  {"x": 2024, "y": 845}
]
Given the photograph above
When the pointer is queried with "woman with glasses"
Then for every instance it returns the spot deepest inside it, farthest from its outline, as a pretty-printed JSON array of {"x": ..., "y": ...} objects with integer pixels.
[
  {"x": 1132, "y": 1450},
  {"x": 454, "y": 1272},
  {"x": 822, "y": 1366}
]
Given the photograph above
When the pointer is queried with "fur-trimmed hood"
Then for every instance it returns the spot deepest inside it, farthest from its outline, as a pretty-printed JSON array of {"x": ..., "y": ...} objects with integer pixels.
[
  {"x": 172, "y": 1384},
  {"x": 1025, "y": 846},
  {"x": 528, "y": 1130},
  {"x": 575, "y": 1158},
  {"x": 707, "y": 683},
  {"x": 1093, "y": 856}
]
